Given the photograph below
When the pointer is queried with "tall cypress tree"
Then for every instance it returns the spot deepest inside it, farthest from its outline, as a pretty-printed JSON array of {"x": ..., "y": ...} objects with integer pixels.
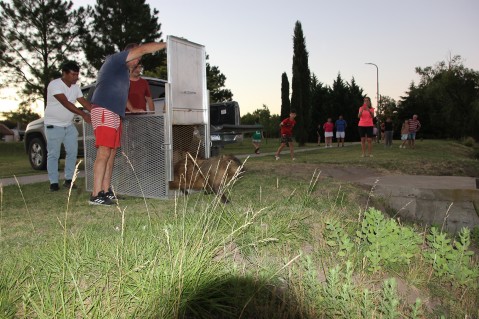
[
  {"x": 301, "y": 96},
  {"x": 36, "y": 37},
  {"x": 115, "y": 23},
  {"x": 285, "y": 103}
]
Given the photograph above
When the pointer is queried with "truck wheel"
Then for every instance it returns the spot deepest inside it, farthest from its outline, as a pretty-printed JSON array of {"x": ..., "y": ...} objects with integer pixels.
[{"x": 37, "y": 154}]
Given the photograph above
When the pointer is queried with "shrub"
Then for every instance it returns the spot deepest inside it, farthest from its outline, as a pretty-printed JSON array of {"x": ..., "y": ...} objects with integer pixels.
[
  {"x": 469, "y": 141},
  {"x": 385, "y": 243},
  {"x": 452, "y": 261}
]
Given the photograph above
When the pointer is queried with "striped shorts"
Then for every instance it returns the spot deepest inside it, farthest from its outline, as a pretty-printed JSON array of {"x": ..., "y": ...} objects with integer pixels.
[{"x": 106, "y": 127}]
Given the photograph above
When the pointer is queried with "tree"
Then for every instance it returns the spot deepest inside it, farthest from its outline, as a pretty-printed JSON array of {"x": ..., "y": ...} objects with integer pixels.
[
  {"x": 338, "y": 100},
  {"x": 22, "y": 116},
  {"x": 215, "y": 83},
  {"x": 446, "y": 100},
  {"x": 285, "y": 102},
  {"x": 388, "y": 106},
  {"x": 113, "y": 24},
  {"x": 36, "y": 37},
  {"x": 350, "y": 114},
  {"x": 341, "y": 99},
  {"x": 301, "y": 86},
  {"x": 265, "y": 118},
  {"x": 319, "y": 97}
]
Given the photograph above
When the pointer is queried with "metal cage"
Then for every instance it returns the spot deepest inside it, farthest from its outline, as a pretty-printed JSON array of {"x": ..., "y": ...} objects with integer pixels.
[
  {"x": 152, "y": 144},
  {"x": 140, "y": 167}
]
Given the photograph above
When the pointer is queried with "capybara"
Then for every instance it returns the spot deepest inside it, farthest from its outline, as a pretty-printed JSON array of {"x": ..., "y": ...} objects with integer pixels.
[{"x": 211, "y": 174}]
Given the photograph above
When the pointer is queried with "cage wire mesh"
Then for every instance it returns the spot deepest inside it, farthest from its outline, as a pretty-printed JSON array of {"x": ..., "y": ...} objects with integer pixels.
[
  {"x": 142, "y": 163},
  {"x": 188, "y": 138}
]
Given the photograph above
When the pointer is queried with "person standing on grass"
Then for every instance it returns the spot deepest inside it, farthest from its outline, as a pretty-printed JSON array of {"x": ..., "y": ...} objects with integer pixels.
[
  {"x": 388, "y": 132},
  {"x": 341, "y": 130},
  {"x": 414, "y": 126},
  {"x": 328, "y": 128},
  {"x": 62, "y": 93},
  {"x": 404, "y": 134},
  {"x": 256, "y": 139},
  {"x": 287, "y": 134},
  {"x": 109, "y": 104},
  {"x": 366, "y": 125},
  {"x": 382, "y": 127}
]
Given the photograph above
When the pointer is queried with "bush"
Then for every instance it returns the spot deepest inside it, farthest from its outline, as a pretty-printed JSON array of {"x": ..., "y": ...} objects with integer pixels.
[{"x": 469, "y": 141}]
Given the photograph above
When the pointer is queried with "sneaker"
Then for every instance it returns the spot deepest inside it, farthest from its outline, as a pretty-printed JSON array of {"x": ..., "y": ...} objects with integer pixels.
[
  {"x": 100, "y": 199},
  {"x": 276, "y": 157},
  {"x": 110, "y": 195},
  {"x": 54, "y": 187},
  {"x": 370, "y": 155},
  {"x": 293, "y": 159},
  {"x": 68, "y": 184}
]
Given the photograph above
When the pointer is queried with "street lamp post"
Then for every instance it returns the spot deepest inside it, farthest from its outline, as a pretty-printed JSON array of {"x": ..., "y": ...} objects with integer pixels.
[{"x": 377, "y": 97}]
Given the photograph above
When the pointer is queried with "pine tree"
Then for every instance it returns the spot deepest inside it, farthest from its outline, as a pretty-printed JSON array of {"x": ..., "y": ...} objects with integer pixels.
[
  {"x": 319, "y": 97},
  {"x": 215, "y": 84},
  {"x": 115, "y": 23},
  {"x": 36, "y": 37},
  {"x": 301, "y": 87}
]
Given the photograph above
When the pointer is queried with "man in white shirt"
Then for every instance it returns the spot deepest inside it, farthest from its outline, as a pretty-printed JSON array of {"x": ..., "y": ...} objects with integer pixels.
[{"x": 62, "y": 93}]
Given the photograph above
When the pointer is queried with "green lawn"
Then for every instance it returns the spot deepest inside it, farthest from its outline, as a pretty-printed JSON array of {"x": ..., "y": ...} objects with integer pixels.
[
  {"x": 285, "y": 247},
  {"x": 14, "y": 161},
  {"x": 430, "y": 157}
]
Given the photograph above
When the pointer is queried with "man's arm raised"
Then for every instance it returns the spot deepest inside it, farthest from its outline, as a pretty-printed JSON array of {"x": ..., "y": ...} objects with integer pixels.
[{"x": 139, "y": 51}]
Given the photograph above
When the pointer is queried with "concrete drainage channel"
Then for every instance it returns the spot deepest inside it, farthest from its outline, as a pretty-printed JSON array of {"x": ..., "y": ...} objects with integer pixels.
[{"x": 451, "y": 202}]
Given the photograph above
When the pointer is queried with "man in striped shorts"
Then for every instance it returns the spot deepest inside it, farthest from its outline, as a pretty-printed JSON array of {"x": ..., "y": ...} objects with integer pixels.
[
  {"x": 414, "y": 126},
  {"x": 109, "y": 104}
]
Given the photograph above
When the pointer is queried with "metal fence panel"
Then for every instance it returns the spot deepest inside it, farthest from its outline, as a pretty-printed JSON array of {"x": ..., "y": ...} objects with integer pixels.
[{"x": 140, "y": 164}]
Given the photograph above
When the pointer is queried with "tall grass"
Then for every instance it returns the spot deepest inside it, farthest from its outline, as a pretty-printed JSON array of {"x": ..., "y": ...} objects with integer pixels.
[{"x": 283, "y": 248}]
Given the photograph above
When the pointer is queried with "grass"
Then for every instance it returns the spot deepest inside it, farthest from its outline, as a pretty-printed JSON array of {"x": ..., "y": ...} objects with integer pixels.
[
  {"x": 285, "y": 247},
  {"x": 430, "y": 157},
  {"x": 14, "y": 161}
]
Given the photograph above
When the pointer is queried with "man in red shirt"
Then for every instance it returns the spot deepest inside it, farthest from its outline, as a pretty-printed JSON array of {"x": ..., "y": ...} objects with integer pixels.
[
  {"x": 139, "y": 93},
  {"x": 287, "y": 135}
]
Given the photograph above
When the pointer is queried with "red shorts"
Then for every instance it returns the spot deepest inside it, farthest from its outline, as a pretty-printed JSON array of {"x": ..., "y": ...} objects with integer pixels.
[{"x": 106, "y": 126}]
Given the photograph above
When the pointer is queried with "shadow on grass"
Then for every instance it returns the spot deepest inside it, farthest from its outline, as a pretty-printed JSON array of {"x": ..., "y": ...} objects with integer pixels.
[{"x": 239, "y": 297}]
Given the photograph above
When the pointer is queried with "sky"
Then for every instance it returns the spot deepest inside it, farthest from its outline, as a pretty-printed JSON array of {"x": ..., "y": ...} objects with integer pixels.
[{"x": 251, "y": 41}]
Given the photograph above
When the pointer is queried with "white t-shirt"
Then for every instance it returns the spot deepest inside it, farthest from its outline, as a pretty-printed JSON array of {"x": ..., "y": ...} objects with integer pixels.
[{"x": 55, "y": 113}]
